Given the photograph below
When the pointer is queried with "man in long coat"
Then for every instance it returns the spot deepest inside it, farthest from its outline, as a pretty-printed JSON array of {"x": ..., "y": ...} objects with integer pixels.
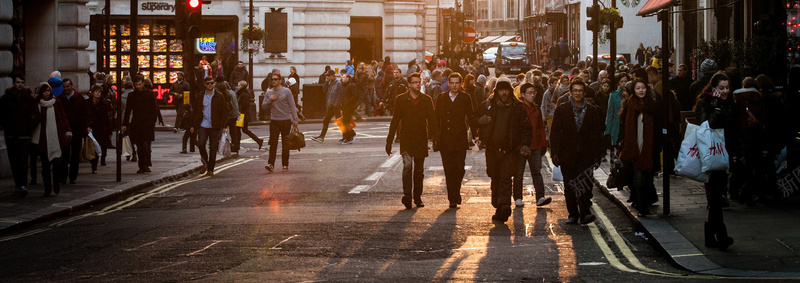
[
  {"x": 415, "y": 111},
  {"x": 142, "y": 103},
  {"x": 455, "y": 115}
]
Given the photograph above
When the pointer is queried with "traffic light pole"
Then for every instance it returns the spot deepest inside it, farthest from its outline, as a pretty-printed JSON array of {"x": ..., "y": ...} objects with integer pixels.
[
  {"x": 613, "y": 38},
  {"x": 250, "y": 55},
  {"x": 595, "y": 6},
  {"x": 668, "y": 164}
]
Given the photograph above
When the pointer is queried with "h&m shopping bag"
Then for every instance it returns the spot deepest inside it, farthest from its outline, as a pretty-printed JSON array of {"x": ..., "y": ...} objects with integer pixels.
[
  {"x": 689, "y": 163},
  {"x": 711, "y": 145}
]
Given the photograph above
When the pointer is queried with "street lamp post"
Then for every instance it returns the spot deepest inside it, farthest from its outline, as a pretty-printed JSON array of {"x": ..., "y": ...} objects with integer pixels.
[{"x": 250, "y": 54}]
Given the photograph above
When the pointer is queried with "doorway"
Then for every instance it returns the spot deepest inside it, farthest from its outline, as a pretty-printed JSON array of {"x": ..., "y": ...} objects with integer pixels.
[{"x": 366, "y": 34}]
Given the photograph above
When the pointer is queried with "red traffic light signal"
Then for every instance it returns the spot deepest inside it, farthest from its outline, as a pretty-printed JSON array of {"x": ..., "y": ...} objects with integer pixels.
[{"x": 194, "y": 4}]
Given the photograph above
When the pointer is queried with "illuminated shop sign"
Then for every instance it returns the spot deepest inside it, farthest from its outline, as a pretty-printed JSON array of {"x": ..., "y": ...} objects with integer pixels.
[
  {"x": 206, "y": 45},
  {"x": 156, "y": 8}
]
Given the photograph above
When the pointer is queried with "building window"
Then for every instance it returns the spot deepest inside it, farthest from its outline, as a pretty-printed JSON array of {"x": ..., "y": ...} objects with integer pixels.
[
  {"x": 483, "y": 10},
  {"x": 497, "y": 10},
  {"x": 511, "y": 12}
]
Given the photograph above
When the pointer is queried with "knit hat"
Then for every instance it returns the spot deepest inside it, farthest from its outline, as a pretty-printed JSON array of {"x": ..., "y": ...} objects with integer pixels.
[
  {"x": 481, "y": 79},
  {"x": 55, "y": 85},
  {"x": 708, "y": 66},
  {"x": 503, "y": 82}
]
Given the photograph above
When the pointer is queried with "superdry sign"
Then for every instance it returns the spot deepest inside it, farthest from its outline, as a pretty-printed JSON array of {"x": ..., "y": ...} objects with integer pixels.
[{"x": 156, "y": 8}]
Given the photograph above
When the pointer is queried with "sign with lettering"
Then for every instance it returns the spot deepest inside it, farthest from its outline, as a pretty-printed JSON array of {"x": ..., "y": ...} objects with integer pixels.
[
  {"x": 206, "y": 45},
  {"x": 156, "y": 7},
  {"x": 447, "y": 4}
]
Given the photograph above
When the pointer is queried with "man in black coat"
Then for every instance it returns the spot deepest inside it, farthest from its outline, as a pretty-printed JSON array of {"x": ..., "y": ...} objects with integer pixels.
[
  {"x": 414, "y": 110},
  {"x": 142, "y": 103},
  {"x": 708, "y": 68},
  {"x": 80, "y": 121},
  {"x": 506, "y": 131},
  {"x": 577, "y": 128},
  {"x": 455, "y": 114},
  {"x": 681, "y": 84},
  {"x": 177, "y": 89},
  {"x": 17, "y": 120},
  {"x": 211, "y": 119}
]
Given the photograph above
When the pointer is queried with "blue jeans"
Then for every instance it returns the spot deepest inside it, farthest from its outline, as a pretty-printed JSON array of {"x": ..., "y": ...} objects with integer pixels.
[{"x": 211, "y": 136}]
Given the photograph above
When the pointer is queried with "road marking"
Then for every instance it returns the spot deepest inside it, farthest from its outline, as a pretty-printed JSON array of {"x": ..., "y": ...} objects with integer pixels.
[
  {"x": 375, "y": 176},
  {"x": 434, "y": 168},
  {"x": 147, "y": 244},
  {"x": 284, "y": 241},
  {"x": 206, "y": 247},
  {"x": 391, "y": 161},
  {"x": 358, "y": 189},
  {"x": 29, "y": 233}
]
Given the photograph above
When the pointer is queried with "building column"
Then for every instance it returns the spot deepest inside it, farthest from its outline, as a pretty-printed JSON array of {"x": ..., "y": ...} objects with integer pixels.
[
  {"x": 72, "y": 42},
  {"x": 403, "y": 36},
  {"x": 6, "y": 41}
]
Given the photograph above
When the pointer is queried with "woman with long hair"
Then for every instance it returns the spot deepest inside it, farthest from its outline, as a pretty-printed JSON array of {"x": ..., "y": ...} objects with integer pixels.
[
  {"x": 716, "y": 105},
  {"x": 101, "y": 124},
  {"x": 50, "y": 136},
  {"x": 640, "y": 120},
  {"x": 615, "y": 99}
]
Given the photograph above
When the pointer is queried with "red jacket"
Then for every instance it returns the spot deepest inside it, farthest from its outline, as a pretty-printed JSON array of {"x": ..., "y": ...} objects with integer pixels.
[{"x": 538, "y": 138}]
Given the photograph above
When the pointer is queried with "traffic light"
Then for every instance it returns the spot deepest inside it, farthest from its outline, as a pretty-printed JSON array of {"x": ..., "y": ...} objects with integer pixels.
[
  {"x": 194, "y": 13},
  {"x": 593, "y": 18}
]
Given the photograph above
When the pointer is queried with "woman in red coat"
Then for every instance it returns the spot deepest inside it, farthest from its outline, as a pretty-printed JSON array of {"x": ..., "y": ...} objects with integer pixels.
[{"x": 50, "y": 136}]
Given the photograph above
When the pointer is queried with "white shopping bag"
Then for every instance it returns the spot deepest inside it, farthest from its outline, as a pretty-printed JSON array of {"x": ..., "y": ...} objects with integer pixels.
[
  {"x": 127, "y": 147},
  {"x": 557, "y": 176},
  {"x": 711, "y": 144},
  {"x": 224, "y": 148},
  {"x": 689, "y": 163},
  {"x": 98, "y": 151}
]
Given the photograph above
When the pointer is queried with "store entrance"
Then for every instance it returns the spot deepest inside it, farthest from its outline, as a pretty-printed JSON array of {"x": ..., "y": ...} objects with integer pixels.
[{"x": 366, "y": 37}]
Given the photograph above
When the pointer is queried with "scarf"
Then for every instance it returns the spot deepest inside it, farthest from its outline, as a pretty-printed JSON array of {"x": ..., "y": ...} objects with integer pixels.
[
  {"x": 580, "y": 113},
  {"x": 630, "y": 152},
  {"x": 51, "y": 130}
]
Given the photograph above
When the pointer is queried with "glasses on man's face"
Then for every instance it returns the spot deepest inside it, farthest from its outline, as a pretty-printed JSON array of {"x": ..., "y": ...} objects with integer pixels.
[
  {"x": 276, "y": 79},
  {"x": 210, "y": 83}
]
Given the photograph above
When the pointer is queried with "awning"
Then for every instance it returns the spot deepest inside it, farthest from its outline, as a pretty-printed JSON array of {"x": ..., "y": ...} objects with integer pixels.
[
  {"x": 487, "y": 39},
  {"x": 503, "y": 38},
  {"x": 653, "y": 6}
]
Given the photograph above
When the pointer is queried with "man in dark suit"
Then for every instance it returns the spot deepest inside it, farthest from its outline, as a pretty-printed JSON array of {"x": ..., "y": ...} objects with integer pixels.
[
  {"x": 506, "y": 132},
  {"x": 142, "y": 103},
  {"x": 77, "y": 110},
  {"x": 414, "y": 110},
  {"x": 577, "y": 126},
  {"x": 455, "y": 115}
]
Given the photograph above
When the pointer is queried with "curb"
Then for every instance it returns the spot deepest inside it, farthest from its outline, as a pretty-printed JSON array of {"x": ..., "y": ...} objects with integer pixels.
[
  {"x": 122, "y": 189},
  {"x": 680, "y": 251},
  {"x": 307, "y": 121}
]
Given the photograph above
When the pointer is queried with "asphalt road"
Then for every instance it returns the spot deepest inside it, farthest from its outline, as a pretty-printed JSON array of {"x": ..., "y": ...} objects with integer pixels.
[{"x": 334, "y": 216}]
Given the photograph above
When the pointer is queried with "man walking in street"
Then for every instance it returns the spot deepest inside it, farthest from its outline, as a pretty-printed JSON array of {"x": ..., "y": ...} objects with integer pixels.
[
  {"x": 681, "y": 84},
  {"x": 142, "y": 103},
  {"x": 455, "y": 114},
  {"x": 414, "y": 110},
  {"x": 238, "y": 74},
  {"x": 16, "y": 116},
  {"x": 210, "y": 121},
  {"x": 77, "y": 111},
  {"x": 537, "y": 147},
  {"x": 575, "y": 146},
  {"x": 284, "y": 115},
  {"x": 333, "y": 93},
  {"x": 506, "y": 132},
  {"x": 177, "y": 89}
]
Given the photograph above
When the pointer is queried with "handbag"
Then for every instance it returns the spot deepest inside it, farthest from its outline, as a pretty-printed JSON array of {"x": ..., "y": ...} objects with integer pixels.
[
  {"x": 711, "y": 145},
  {"x": 557, "y": 176},
  {"x": 224, "y": 146},
  {"x": 127, "y": 147},
  {"x": 97, "y": 149},
  {"x": 240, "y": 121},
  {"x": 617, "y": 177},
  {"x": 87, "y": 150},
  {"x": 689, "y": 164},
  {"x": 295, "y": 139}
]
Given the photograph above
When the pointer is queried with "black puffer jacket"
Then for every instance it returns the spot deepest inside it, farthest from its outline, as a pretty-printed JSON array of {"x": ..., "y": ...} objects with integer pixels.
[{"x": 721, "y": 113}]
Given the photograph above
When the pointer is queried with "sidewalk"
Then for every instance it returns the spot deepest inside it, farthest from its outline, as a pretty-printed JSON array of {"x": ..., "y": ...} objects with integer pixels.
[{"x": 766, "y": 237}]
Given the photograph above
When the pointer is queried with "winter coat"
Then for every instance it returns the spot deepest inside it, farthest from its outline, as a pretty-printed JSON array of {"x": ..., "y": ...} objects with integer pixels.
[
  {"x": 349, "y": 96},
  {"x": 612, "y": 115},
  {"x": 142, "y": 126},
  {"x": 519, "y": 133},
  {"x": 655, "y": 109},
  {"x": 246, "y": 101},
  {"x": 576, "y": 150},
  {"x": 238, "y": 74},
  {"x": 177, "y": 89},
  {"x": 418, "y": 121},
  {"x": 333, "y": 93},
  {"x": 17, "y": 115},
  {"x": 77, "y": 110},
  {"x": 187, "y": 118},
  {"x": 721, "y": 114},
  {"x": 101, "y": 121},
  {"x": 454, "y": 117},
  {"x": 538, "y": 136},
  {"x": 220, "y": 110}
]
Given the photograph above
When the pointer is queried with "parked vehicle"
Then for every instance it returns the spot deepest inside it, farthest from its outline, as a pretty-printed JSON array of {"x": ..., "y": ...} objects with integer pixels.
[
  {"x": 489, "y": 56},
  {"x": 512, "y": 58},
  {"x": 607, "y": 59}
]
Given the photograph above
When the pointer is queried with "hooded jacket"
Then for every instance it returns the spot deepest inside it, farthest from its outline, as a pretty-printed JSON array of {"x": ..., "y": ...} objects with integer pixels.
[{"x": 519, "y": 129}]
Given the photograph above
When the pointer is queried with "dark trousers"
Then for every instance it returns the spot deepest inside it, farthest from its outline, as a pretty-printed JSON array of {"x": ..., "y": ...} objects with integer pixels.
[
  {"x": 413, "y": 176},
  {"x": 236, "y": 136},
  {"x": 143, "y": 152},
  {"x": 249, "y": 133},
  {"x": 211, "y": 137},
  {"x": 103, "y": 152},
  {"x": 643, "y": 190},
  {"x": 276, "y": 129},
  {"x": 577, "y": 192},
  {"x": 33, "y": 155},
  {"x": 17, "y": 157},
  {"x": 71, "y": 159},
  {"x": 715, "y": 190},
  {"x": 504, "y": 168},
  {"x": 347, "y": 116},
  {"x": 50, "y": 168},
  {"x": 190, "y": 137},
  {"x": 330, "y": 112},
  {"x": 534, "y": 160},
  {"x": 178, "y": 112},
  {"x": 453, "y": 163}
]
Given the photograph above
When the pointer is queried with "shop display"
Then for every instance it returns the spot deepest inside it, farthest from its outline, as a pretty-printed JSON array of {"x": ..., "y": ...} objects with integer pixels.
[
  {"x": 113, "y": 43},
  {"x": 160, "y": 45},
  {"x": 159, "y": 77},
  {"x": 160, "y": 61},
  {"x": 126, "y": 61},
  {"x": 176, "y": 61},
  {"x": 126, "y": 30},
  {"x": 173, "y": 76},
  {"x": 159, "y": 29},
  {"x": 144, "y": 45},
  {"x": 113, "y": 31},
  {"x": 175, "y": 45},
  {"x": 146, "y": 75},
  {"x": 113, "y": 74},
  {"x": 113, "y": 59},
  {"x": 144, "y": 61},
  {"x": 144, "y": 30},
  {"x": 126, "y": 45}
]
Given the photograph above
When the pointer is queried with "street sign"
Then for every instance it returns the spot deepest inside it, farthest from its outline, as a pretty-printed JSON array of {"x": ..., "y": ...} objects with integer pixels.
[{"x": 470, "y": 34}]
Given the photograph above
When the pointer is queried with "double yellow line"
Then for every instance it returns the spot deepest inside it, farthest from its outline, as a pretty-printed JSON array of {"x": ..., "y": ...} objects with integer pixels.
[{"x": 129, "y": 201}]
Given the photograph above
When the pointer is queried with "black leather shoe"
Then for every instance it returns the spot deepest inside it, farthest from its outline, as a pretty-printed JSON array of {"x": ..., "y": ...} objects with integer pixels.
[
  {"x": 407, "y": 202},
  {"x": 586, "y": 219},
  {"x": 419, "y": 204}
]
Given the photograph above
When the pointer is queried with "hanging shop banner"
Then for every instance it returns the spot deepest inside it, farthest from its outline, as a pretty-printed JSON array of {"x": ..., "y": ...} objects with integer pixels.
[{"x": 447, "y": 4}]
